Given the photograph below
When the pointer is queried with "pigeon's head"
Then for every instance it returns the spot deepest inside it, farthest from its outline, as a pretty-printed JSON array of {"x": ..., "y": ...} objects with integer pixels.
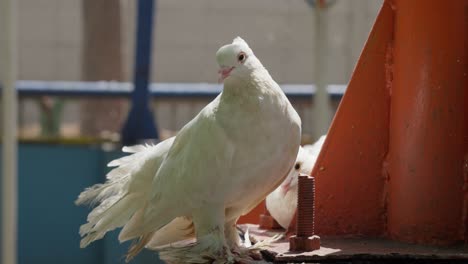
[
  {"x": 236, "y": 61},
  {"x": 304, "y": 163}
]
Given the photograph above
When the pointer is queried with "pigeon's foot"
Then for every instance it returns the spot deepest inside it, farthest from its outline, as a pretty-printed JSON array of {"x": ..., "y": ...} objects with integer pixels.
[
  {"x": 196, "y": 253},
  {"x": 247, "y": 256},
  {"x": 264, "y": 244},
  {"x": 249, "y": 251},
  {"x": 251, "y": 261}
]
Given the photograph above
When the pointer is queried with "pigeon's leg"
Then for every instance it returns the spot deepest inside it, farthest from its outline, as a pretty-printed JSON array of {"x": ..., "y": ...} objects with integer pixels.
[
  {"x": 209, "y": 229},
  {"x": 243, "y": 254},
  {"x": 232, "y": 235}
]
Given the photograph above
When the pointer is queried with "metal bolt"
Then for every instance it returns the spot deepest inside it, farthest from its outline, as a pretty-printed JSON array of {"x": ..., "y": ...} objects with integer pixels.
[{"x": 305, "y": 238}]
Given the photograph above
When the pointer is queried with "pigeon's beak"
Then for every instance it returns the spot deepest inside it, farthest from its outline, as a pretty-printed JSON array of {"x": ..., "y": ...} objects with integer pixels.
[
  {"x": 223, "y": 73},
  {"x": 286, "y": 186}
]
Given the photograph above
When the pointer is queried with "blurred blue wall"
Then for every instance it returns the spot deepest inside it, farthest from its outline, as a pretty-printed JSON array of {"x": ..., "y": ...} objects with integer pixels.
[{"x": 50, "y": 179}]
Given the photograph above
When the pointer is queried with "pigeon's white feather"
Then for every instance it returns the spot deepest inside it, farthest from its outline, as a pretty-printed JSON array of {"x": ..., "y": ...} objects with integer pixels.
[
  {"x": 233, "y": 144},
  {"x": 314, "y": 149},
  {"x": 124, "y": 193},
  {"x": 109, "y": 219},
  {"x": 134, "y": 149},
  {"x": 238, "y": 149},
  {"x": 282, "y": 202},
  {"x": 125, "y": 160},
  {"x": 179, "y": 229}
]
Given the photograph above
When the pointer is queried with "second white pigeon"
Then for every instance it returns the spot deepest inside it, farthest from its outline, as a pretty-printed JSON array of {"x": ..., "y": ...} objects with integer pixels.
[{"x": 282, "y": 202}]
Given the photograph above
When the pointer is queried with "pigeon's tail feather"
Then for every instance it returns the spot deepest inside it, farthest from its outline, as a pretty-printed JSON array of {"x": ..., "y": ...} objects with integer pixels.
[
  {"x": 147, "y": 220},
  {"x": 179, "y": 229},
  {"x": 124, "y": 193},
  {"x": 136, "y": 153},
  {"x": 106, "y": 219},
  {"x": 99, "y": 193},
  {"x": 137, "y": 246},
  {"x": 117, "y": 178},
  {"x": 135, "y": 148}
]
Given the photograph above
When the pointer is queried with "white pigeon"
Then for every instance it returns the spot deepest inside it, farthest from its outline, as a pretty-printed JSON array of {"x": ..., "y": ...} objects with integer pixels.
[
  {"x": 219, "y": 166},
  {"x": 282, "y": 202}
]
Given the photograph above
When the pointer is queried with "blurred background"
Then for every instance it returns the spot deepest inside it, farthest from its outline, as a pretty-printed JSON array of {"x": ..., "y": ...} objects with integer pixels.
[
  {"x": 76, "y": 64},
  {"x": 94, "y": 40}
]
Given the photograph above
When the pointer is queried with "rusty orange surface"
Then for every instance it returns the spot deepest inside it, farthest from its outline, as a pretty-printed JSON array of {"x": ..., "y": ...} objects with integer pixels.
[
  {"x": 428, "y": 122},
  {"x": 254, "y": 216},
  {"x": 349, "y": 180},
  {"x": 349, "y": 185},
  {"x": 395, "y": 161}
]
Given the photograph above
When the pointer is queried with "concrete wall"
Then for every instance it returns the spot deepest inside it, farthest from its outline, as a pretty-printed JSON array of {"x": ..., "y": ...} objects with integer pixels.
[
  {"x": 49, "y": 33},
  {"x": 280, "y": 32},
  {"x": 188, "y": 33}
]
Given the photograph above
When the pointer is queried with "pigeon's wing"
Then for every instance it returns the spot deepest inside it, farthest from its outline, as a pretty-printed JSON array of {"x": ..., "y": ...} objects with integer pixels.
[
  {"x": 194, "y": 167},
  {"x": 127, "y": 187},
  {"x": 198, "y": 160}
]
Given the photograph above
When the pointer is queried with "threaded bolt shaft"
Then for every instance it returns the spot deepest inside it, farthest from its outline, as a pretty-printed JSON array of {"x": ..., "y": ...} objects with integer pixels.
[
  {"x": 305, "y": 206},
  {"x": 305, "y": 239}
]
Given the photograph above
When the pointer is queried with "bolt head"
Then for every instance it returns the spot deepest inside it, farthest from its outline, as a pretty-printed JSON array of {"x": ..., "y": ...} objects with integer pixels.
[{"x": 301, "y": 244}]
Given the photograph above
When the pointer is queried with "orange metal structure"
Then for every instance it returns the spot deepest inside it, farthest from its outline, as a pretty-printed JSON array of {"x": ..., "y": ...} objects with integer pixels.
[
  {"x": 428, "y": 122},
  {"x": 349, "y": 179},
  {"x": 395, "y": 161}
]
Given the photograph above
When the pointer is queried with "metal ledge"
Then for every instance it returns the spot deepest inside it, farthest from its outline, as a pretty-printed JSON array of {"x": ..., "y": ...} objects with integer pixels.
[{"x": 359, "y": 250}]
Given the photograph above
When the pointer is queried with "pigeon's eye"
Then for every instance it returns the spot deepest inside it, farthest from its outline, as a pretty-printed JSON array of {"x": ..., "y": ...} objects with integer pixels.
[
  {"x": 297, "y": 166},
  {"x": 241, "y": 57}
]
